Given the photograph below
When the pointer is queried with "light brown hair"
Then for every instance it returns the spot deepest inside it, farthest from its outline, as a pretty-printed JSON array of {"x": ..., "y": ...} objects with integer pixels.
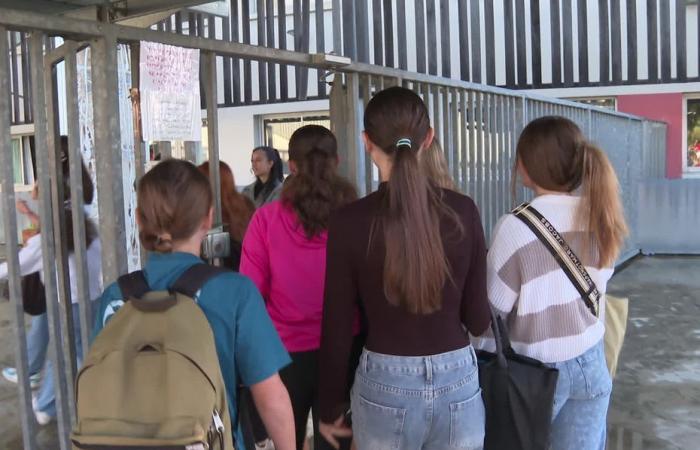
[
  {"x": 415, "y": 265},
  {"x": 173, "y": 199},
  {"x": 316, "y": 189},
  {"x": 236, "y": 209},
  {"x": 435, "y": 166},
  {"x": 557, "y": 157}
]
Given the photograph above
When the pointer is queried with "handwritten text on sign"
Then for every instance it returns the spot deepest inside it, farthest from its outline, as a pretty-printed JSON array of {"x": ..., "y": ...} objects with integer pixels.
[{"x": 170, "y": 102}]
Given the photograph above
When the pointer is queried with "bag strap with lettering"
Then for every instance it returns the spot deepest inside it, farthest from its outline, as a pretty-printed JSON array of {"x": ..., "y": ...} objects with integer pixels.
[{"x": 563, "y": 254}]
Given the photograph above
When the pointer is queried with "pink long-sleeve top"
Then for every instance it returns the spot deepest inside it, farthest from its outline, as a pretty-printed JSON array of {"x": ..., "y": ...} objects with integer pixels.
[{"x": 289, "y": 269}]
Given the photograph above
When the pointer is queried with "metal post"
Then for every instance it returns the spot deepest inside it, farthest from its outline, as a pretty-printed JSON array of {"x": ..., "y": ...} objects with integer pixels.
[
  {"x": 47, "y": 236},
  {"x": 140, "y": 156},
  {"x": 191, "y": 151},
  {"x": 339, "y": 121},
  {"x": 10, "y": 226},
  {"x": 65, "y": 309},
  {"x": 108, "y": 158},
  {"x": 77, "y": 202},
  {"x": 210, "y": 93}
]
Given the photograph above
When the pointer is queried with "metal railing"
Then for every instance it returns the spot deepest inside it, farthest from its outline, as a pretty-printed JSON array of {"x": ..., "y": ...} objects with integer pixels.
[{"x": 478, "y": 126}]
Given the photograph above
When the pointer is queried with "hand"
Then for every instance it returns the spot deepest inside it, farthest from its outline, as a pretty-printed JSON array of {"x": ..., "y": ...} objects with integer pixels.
[
  {"x": 331, "y": 432},
  {"x": 23, "y": 208}
]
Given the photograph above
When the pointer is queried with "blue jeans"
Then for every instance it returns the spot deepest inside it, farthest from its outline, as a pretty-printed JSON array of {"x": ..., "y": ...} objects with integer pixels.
[
  {"x": 46, "y": 397},
  {"x": 581, "y": 402},
  {"x": 37, "y": 343},
  {"x": 422, "y": 403}
]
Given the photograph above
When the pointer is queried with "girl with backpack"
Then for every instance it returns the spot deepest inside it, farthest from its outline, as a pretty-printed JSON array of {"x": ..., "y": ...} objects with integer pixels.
[
  {"x": 284, "y": 253},
  {"x": 174, "y": 212},
  {"x": 412, "y": 257},
  {"x": 577, "y": 193}
]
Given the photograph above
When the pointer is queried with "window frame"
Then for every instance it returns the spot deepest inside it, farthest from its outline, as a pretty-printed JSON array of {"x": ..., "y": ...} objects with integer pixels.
[{"x": 688, "y": 172}]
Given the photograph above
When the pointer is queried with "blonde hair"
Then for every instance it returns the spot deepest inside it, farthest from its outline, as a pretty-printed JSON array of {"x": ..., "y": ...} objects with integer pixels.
[
  {"x": 557, "y": 157},
  {"x": 434, "y": 165}
]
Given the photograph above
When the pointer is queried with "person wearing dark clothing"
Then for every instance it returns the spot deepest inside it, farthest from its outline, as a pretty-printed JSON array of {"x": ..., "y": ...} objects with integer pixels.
[{"x": 412, "y": 256}]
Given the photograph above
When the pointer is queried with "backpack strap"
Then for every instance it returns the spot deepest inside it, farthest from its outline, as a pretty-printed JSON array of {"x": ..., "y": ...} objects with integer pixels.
[
  {"x": 563, "y": 254},
  {"x": 192, "y": 280},
  {"x": 133, "y": 285}
]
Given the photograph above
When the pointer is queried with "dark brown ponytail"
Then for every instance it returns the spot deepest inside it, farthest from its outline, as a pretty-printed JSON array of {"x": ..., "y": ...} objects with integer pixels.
[
  {"x": 415, "y": 265},
  {"x": 316, "y": 189}
]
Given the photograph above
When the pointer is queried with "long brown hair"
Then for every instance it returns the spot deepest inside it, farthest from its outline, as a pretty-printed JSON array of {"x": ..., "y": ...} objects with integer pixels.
[
  {"x": 557, "y": 157},
  {"x": 173, "y": 199},
  {"x": 415, "y": 266},
  {"x": 236, "y": 209},
  {"x": 434, "y": 164},
  {"x": 316, "y": 189}
]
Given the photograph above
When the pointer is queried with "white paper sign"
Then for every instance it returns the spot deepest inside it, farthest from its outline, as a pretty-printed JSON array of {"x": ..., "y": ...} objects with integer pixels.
[{"x": 170, "y": 102}]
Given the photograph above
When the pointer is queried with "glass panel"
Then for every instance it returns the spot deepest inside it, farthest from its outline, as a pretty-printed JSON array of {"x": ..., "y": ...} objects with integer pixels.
[{"x": 693, "y": 138}]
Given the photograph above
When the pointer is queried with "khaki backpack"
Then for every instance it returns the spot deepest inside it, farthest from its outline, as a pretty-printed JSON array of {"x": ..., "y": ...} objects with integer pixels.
[{"x": 152, "y": 378}]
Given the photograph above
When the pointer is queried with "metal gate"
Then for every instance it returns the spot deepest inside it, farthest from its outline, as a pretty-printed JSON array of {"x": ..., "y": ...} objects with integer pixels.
[{"x": 478, "y": 126}]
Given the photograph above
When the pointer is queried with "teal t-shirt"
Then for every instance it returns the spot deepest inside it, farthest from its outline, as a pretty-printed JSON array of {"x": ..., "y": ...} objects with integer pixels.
[{"x": 247, "y": 344}]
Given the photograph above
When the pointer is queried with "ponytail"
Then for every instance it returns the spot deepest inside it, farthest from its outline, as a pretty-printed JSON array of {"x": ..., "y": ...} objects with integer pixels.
[
  {"x": 316, "y": 189},
  {"x": 601, "y": 209},
  {"x": 415, "y": 265}
]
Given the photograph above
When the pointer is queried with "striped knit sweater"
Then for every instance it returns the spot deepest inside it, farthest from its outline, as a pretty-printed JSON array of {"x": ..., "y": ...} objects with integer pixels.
[{"x": 546, "y": 317}]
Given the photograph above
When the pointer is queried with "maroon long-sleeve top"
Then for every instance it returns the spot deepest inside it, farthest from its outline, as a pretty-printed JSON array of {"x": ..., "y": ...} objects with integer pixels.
[{"x": 354, "y": 276}]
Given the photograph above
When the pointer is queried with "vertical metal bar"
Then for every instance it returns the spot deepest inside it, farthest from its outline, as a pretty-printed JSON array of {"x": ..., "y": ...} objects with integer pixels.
[
  {"x": 377, "y": 30},
  {"x": 582, "y": 12},
  {"x": 616, "y": 41},
  {"x": 464, "y": 148},
  {"x": 270, "y": 42},
  {"x": 445, "y": 35},
  {"x": 388, "y": 38},
  {"x": 556, "y": 41},
  {"x": 139, "y": 146},
  {"x": 489, "y": 39},
  {"x": 480, "y": 153},
  {"x": 349, "y": 30},
  {"x": 446, "y": 145},
  {"x": 567, "y": 27},
  {"x": 476, "y": 39},
  {"x": 15, "y": 78},
  {"x": 535, "y": 44},
  {"x": 490, "y": 109},
  {"x": 432, "y": 37},
  {"x": 26, "y": 84},
  {"x": 305, "y": 39},
  {"x": 247, "y": 73},
  {"x": 12, "y": 251},
  {"x": 362, "y": 24},
  {"x": 320, "y": 43},
  {"x": 262, "y": 66},
  {"x": 521, "y": 42},
  {"x": 235, "y": 62},
  {"x": 420, "y": 36},
  {"x": 604, "y": 27},
  {"x": 47, "y": 236},
  {"x": 337, "y": 33},
  {"x": 108, "y": 158},
  {"x": 681, "y": 66},
  {"x": 665, "y": 35},
  {"x": 454, "y": 124},
  {"x": 282, "y": 36},
  {"x": 653, "y": 39},
  {"x": 632, "y": 41},
  {"x": 365, "y": 89},
  {"x": 435, "y": 103},
  {"x": 210, "y": 92},
  {"x": 356, "y": 156},
  {"x": 297, "y": 44},
  {"x": 77, "y": 202},
  {"x": 58, "y": 196},
  {"x": 226, "y": 36},
  {"x": 401, "y": 31},
  {"x": 471, "y": 101},
  {"x": 463, "y": 20},
  {"x": 509, "y": 24}
]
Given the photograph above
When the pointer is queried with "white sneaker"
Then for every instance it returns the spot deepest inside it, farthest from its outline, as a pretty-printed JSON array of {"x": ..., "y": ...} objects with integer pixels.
[
  {"x": 265, "y": 445},
  {"x": 10, "y": 374},
  {"x": 42, "y": 418}
]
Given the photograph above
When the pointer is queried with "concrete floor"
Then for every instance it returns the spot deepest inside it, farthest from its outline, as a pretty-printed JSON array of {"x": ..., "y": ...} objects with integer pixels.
[{"x": 656, "y": 397}]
